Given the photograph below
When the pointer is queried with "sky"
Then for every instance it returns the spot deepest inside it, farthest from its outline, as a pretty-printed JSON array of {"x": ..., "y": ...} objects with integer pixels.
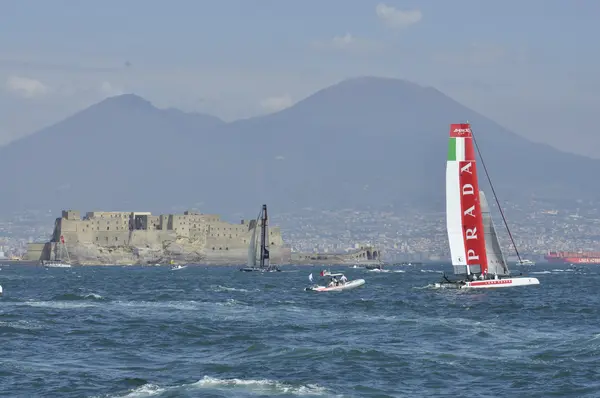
[{"x": 531, "y": 66}]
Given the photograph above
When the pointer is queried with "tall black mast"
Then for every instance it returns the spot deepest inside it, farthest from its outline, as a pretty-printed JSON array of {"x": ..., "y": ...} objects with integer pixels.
[{"x": 264, "y": 242}]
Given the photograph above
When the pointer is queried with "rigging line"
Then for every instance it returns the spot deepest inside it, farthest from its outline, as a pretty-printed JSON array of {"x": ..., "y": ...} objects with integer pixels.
[{"x": 495, "y": 196}]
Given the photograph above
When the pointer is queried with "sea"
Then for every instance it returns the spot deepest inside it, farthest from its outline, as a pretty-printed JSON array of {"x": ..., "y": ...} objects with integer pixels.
[{"x": 213, "y": 331}]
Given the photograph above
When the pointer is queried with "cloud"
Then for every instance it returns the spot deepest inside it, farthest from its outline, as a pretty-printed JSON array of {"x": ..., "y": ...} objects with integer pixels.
[
  {"x": 279, "y": 157},
  {"x": 26, "y": 87},
  {"x": 395, "y": 18},
  {"x": 110, "y": 90},
  {"x": 274, "y": 104},
  {"x": 348, "y": 43}
]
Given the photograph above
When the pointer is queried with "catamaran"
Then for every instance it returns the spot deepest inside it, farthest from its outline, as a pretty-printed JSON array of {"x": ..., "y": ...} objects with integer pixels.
[
  {"x": 59, "y": 260},
  {"x": 337, "y": 283},
  {"x": 262, "y": 221},
  {"x": 476, "y": 254}
]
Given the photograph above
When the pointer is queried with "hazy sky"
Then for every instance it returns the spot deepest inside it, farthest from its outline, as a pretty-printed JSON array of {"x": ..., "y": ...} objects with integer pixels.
[{"x": 531, "y": 65}]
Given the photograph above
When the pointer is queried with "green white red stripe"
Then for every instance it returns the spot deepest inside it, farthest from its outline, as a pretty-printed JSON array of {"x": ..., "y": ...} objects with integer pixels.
[{"x": 456, "y": 149}]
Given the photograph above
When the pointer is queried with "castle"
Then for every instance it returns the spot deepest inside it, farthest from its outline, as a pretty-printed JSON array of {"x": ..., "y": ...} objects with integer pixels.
[{"x": 141, "y": 238}]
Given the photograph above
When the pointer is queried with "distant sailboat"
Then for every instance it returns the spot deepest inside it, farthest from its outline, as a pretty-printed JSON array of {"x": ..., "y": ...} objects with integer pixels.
[
  {"x": 474, "y": 246},
  {"x": 60, "y": 260},
  {"x": 264, "y": 265}
]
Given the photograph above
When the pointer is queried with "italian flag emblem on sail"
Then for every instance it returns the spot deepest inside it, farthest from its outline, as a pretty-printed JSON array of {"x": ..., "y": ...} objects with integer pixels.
[{"x": 456, "y": 149}]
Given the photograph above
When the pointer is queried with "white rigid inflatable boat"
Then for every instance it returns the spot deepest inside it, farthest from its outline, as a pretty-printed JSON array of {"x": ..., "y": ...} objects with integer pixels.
[{"x": 335, "y": 284}]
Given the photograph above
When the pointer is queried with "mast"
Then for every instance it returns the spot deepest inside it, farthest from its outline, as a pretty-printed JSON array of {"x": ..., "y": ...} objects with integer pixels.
[{"x": 264, "y": 236}]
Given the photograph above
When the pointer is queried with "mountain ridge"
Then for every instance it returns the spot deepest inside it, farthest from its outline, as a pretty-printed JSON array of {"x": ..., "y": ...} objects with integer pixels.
[{"x": 365, "y": 141}]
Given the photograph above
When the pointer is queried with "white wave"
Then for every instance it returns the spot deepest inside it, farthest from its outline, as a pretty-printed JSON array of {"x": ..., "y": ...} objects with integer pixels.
[
  {"x": 22, "y": 324},
  {"x": 564, "y": 270},
  {"x": 432, "y": 270},
  {"x": 541, "y": 272},
  {"x": 399, "y": 271},
  {"x": 255, "y": 387},
  {"x": 59, "y": 304},
  {"x": 220, "y": 288},
  {"x": 147, "y": 390},
  {"x": 264, "y": 386}
]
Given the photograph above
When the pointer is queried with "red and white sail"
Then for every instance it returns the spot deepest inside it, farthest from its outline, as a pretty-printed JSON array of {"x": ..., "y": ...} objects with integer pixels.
[{"x": 464, "y": 220}]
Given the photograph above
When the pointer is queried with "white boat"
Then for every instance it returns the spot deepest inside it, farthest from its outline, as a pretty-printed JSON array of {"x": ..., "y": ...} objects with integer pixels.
[
  {"x": 525, "y": 262},
  {"x": 262, "y": 223},
  {"x": 476, "y": 253},
  {"x": 61, "y": 256},
  {"x": 335, "y": 284},
  {"x": 1, "y": 290},
  {"x": 177, "y": 267},
  {"x": 55, "y": 264}
]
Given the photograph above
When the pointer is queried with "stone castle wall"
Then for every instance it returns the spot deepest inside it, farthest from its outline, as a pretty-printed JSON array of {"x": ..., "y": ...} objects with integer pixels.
[
  {"x": 134, "y": 237},
  {"x": 363, "y": 255}
]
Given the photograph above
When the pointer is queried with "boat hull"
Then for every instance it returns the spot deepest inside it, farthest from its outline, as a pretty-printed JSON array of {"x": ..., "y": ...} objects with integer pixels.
[
  {"x": 573, "y": 260},
  {"x": 57, "y": 265},
  {"x": 489, "y": 283},
  {"x": 347, "y": 286},
  {"x": 251, "y": 269}
]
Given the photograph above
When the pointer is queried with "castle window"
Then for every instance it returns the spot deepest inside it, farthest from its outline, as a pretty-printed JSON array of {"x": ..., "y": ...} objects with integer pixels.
[
  {"x": 220, "y": 248},
  {"x": 96, "y": 238},
  {"x": 226, "y": 248},
  {"x": 107, "y": 228},
  {"x": 116, "y": 239},
  {"x": 213, "y": 248},
  {"x": 273, "y": 243}
]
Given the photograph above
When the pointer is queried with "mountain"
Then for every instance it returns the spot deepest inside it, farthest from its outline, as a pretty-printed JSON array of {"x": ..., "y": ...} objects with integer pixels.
[{"x": 363, "y": 142}]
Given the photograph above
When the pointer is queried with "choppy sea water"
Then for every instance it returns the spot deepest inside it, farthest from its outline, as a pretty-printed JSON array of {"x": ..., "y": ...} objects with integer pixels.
[{"x": 217, "y": 332}]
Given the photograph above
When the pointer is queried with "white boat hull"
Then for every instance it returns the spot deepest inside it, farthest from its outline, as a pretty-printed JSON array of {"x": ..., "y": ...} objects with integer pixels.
[
  {"x": 346, "y": 286},
  {"x": 57, "y": 265},
  {"x": 489, "y": 283}
]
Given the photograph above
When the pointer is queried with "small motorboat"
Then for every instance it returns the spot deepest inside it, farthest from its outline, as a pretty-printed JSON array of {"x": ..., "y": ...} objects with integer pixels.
[
  {"x": 337, "y": 283},
  {"x": 178, "y": 267}
]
